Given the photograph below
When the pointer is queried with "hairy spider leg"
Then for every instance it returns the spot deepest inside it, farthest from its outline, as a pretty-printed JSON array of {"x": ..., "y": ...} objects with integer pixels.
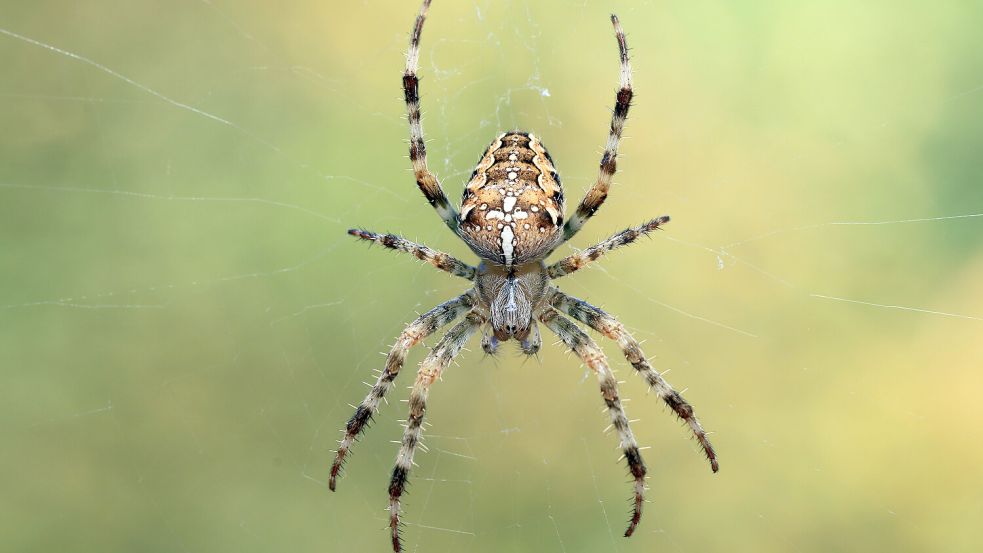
[
  {"x": 426, "y": 180},
  {"x": 583, "y": 258},
  {"x": 430, "y": 370},
  {"x": 609, "y": 326},
  {"x": 438, "y": 259},
  {"x": 592, "y": 356},
  {"x": 609, "y": 160},
  {"x": 423, "y": 326}
]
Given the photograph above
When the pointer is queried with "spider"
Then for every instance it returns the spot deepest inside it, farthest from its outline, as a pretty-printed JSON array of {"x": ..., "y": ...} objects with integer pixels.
[{"x": 512, "y": 217}]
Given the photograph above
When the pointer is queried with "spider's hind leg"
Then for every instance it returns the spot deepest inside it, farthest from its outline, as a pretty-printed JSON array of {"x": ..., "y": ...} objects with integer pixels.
[
  {"x": 425, "y": 325},
  {"x": 607, "y": 325},
  {"x": 440, "y": 260},
  {"x": 592, "y": 356},
  {"x": 585, "y": 257},
  {"x": 430, "y": 370}
]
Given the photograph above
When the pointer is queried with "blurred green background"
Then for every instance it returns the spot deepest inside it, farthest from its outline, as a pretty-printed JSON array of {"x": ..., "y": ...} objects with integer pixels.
[{"x": 183, "y": 321}]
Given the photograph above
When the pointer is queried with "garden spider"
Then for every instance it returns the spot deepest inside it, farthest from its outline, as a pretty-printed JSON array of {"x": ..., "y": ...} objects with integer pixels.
[{"x": 512, "y": 218}]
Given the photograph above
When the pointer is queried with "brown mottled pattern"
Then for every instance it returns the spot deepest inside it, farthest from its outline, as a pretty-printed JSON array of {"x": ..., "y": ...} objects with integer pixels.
[{"x": 515, "y": 165}]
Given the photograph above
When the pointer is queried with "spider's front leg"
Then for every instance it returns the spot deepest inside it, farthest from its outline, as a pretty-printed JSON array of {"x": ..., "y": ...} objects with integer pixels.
[
  {"x": 607, "y": 325},
  {"x": 425, "y": 179},
  {"x": 609, "y": 160},
  {"x": 430, "y": 369},
  {"x": 424, "y": 326},
  {"x": 592, "y": 356}
]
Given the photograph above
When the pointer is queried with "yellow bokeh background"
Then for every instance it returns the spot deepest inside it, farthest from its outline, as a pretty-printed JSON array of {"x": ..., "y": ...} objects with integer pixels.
[{"x": 184, "y": 323}]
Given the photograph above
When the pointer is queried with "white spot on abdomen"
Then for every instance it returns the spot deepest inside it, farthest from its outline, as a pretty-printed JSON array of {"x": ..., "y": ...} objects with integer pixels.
[
  {"x": 507, "y": 249},
  {"x": 508, "y": 204}
]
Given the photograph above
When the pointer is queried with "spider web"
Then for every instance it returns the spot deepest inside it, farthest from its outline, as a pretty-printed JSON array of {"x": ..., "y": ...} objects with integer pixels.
[{"x": 185, "y": 323}]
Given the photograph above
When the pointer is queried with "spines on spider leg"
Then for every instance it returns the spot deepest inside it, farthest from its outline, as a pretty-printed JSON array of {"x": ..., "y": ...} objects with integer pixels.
[
  {"x": 425, "y": 180},
  {"x": 583, "y": 258},
  {"x": 411, "y": 92},
  {"x": 400, "y": 474},
  {"x": 629, "y": 448},
  {"x": 609, "y": 160},
  {"x": 637, "y": 469},
  {"x": 632, "y": 455},
  {"x": 684, "y": 410},
  {"x": 423, "y": 326},
  {"x": 592, "y": 356},
  {"x": 430, "y": 370},
  {"x": 672, "y": 398},
  {"x": 610, "y": 327},
  {"x": 404, "y": 460},
  {"x": 438, "y": 259}
]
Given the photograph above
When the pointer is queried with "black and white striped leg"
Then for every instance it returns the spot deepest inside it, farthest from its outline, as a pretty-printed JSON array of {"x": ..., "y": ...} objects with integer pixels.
[
  {"x": 430, "y": 370},
  {"x": 583, "y": 258},
  {"x": 440, "y": 260},
  {"x": 424, "y": 326},
  {"x": 592, "y": 356},
  {"x": 597, "y": 194},
  {"x": 426, "y": 180},
  {"x": 609, "y": 326}
]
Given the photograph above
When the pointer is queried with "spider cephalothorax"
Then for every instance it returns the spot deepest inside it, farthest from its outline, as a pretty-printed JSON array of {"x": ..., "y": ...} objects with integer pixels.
[{"x": 512, "y": 217}]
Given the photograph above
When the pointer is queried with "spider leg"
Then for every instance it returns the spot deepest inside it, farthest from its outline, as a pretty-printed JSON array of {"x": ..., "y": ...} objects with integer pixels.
[
  {"x": 610, "y": 327},
  {"x": 423, "y": 326},
  {"x": 426, "y": 180},
  {"x": 592, "y": 356},
  {"x": 581, "y": 259},
  {"x": 596, "y": 195},
  {"x": 440, "y": 260},
  {"x": 430, "y": 369}
]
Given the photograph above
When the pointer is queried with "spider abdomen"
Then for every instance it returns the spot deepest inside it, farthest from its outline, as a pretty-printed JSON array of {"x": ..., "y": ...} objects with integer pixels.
[{"x": 512, "y": 210}]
